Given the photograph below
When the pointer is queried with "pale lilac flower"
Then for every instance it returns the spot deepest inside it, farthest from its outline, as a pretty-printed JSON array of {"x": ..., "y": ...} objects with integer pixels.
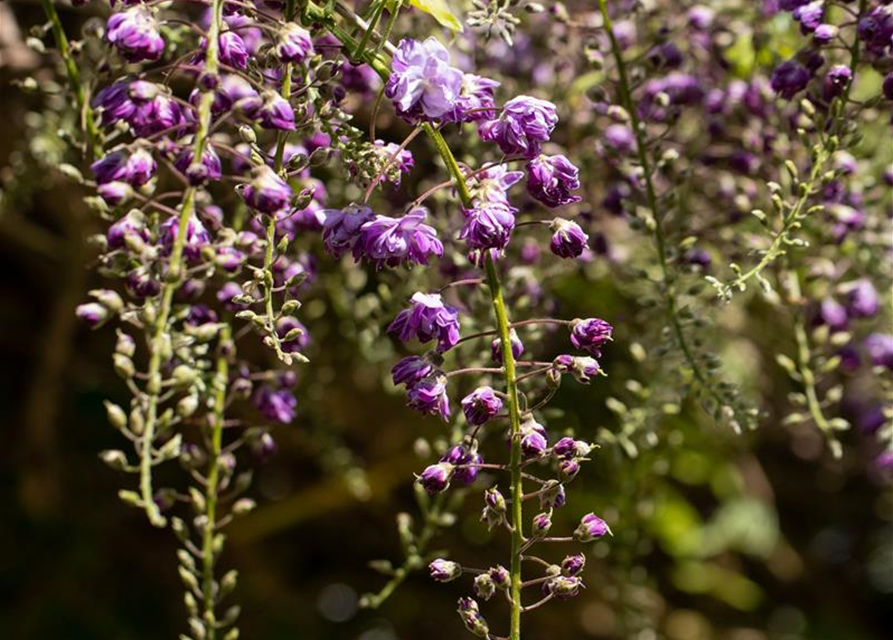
[
  {"x": 294, "y": 44},
  {"x": 492, "y": 184},
  {"x": 476, "y": 100},
  {"x": 422, "y": 84},
  {"x": 134, "y": 32},
  {"x": 880, "y": 349},
  {"x": 564, "y": 587},
  {"x": 524, "y": 123},
  {"x": 232, "y": 50}
]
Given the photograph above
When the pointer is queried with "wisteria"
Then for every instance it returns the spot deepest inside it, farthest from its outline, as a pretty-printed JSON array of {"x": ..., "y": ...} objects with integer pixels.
[{"x": 497, "y": 230}]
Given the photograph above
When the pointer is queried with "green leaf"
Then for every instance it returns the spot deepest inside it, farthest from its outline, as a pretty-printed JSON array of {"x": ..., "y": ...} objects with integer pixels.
[{"x": 441, "y": 12}]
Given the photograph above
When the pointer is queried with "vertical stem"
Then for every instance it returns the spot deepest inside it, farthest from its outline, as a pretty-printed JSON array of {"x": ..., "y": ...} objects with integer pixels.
[
  {"x": 208, "y": 557},
  {"x": 517, "y": 489},
  {"x": 271, "y": 223},
  {"x": 94, "y": 148},
  {"x": 160, "y": 344},
  {"x": 651, "y": 195}
]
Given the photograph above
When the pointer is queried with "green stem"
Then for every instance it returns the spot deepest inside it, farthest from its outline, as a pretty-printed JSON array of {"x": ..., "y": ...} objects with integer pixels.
[
  {"x": 211, "y": 491},
  {"x": 657, "y": 225},
  {"x": 160, "y": 344},
  {"x": 517, "y": 488},
  {"x": 271, "y": 223},
  {"x": 94, "y": 145}
]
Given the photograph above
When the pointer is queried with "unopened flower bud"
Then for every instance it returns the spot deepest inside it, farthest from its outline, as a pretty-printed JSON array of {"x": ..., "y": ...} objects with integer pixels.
[
  {"x": 444, "y": 570},
  {"x": 564, "y": 587},
  {"x": 500, "y": 577},
  {"x": 436, "y": 478},
  {"x": 123, "y": 366},
  {"x": 542, "y": 523},
  {"x": 591, "y": 528},
  {"x": 243, "y": 506},
  {"x": 125, "y": 344},
  {"x": 572, "y": 565},
  {"x": 472, "y": 618},
  {"x": 484, "y": 587},
  {"x": 113, "y": 458},
  {"x": 117, "y": 417}
]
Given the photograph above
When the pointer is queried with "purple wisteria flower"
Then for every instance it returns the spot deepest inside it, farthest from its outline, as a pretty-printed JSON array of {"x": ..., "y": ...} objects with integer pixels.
[
  {"x": 533, "y": 440},
  {"x": 591, "y": 335},
  {"x": 134, "y": 32},
  {"x": 232, "y": 90},
  {"x": 386, "y": 241},
  {"x": 464, "y": 462},
  {"x": 232, "y": 50},
  {"x": 208, "y": 169},
  {"x": 341, "y": 227},
  {"x": 276, "y": 404},
  {"x": 476, "y": 100},
  {"x": 294, "y": 44},
  {"x": 410, "y": 370},
  {"x": 551, "y": 179},
  {"x": 488, "y": 225},
  {"x": 428, "y": 318},
  {"x": 267, "y": 192},
  {"x": 275, "y": 112},
  {"x": 836, "y": 81},
  {"x": 436, "y": 477},
  {"x": 492, "y": 184},
  {"x": 422, "y": 84},
  {"x": 135, "y": 168},
  {"x": 524, "y": 123},
  {"x": 481, "y": 405},
  {"x": 568, "y": 239},
  {"x": 496, "y": 347},
  {"x": 832, "y": 314},
  {"x": 197, "y": 236},
  {"x": 132, "y": 227},
  {"x": 880, "y": 349},
  {"x": 789, "y": 78},
  {"x": 429, "y": 396},
  {"x": 591, "y": 528},
  {"x": 862, "y": 298}
]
